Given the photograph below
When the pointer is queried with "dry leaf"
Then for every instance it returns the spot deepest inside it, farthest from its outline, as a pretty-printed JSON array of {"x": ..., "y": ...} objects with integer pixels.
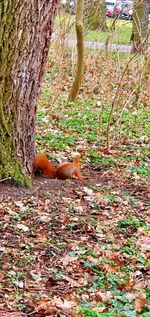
[
  {"x": 99, "y": 309},
  {"x": 101, "y": 296},
  {"x": 140, "y": 302},
  {"x": 10, "y": 314},
  {"x": 2, "y": 275},
  {"x": 51, "y": 307},
  {"x": 22, "y": 227},
  {"x": 46, "y": 307},
  {"x": 110, "y": 268}
]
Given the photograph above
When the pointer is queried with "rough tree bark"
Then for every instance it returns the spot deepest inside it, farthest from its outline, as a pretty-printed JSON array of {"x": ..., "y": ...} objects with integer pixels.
[
  {"x": 25, "y": 31},
  {"x": 139, "y": 36}
]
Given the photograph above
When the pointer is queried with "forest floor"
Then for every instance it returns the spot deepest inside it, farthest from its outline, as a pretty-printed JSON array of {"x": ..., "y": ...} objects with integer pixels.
[
  {"x": 81, "y": 248},
  {"x": 75, "y": 248}
]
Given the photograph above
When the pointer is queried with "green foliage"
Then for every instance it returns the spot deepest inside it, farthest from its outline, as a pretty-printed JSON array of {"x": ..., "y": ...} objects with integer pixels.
[
  {"x": 45, "y": 94},
  {"x": 80, "y": 121},
  {"x": 143, "y": 170},
  {"x": 97, "y": 158},
  {"x": 89, "y": 312},
  {"x": 127, "y": 249},
  {"x": 130, "y": 222},
  {"x": 142, "y": 262},
  {"x": 40, "y": 118},
  {"x": 121, "y": 308}
]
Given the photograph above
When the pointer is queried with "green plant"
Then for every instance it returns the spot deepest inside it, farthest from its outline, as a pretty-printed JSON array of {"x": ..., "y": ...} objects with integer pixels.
[{"x": 130, "y": 222}]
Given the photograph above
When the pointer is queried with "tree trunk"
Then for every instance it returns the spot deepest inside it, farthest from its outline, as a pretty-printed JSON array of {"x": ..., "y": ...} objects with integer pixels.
[
  {"x": 139, "y": 36},
  {"x": 25, "y": 32},
  {"x": 80, "y": 48},
  {"x": 95, "y": 14}
]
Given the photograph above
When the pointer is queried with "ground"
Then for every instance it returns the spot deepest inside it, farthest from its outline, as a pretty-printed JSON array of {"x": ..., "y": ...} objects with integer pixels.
[
  {"x": 81, "y": 248},
  {"x": 67, "y": 243}
]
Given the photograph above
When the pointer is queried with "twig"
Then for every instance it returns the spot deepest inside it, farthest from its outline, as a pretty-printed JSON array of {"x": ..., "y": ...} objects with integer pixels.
[
  {"x": 5, "y": 179},
  {"x": 116, "y": 96}
]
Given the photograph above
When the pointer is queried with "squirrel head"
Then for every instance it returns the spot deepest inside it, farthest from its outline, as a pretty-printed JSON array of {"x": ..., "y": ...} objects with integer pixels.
[{"x": 77, "y": 159}]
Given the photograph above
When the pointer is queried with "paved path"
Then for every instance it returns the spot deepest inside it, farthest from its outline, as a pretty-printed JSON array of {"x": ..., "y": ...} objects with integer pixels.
[{"x": 98, "y": 45}]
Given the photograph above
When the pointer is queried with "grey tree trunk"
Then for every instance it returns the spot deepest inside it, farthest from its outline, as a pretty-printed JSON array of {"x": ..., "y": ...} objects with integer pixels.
[
  {"x": 140, "y": 22},
  {"x": 25, "y": 32}
]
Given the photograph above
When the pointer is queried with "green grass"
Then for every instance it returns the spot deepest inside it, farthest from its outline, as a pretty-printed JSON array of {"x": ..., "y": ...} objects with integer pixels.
[{"x": 121, "y": 35}]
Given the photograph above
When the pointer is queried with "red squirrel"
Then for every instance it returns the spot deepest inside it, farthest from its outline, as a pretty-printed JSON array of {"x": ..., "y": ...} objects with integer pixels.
[
  {"x": 42, "y": 165},
  {"x": 69, "y": 170},
  {"x": 63, "y": 171}
]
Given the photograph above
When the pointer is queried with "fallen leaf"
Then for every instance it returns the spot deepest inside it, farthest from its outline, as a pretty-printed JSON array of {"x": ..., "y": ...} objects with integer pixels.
[
  {"x": 56, "y": 305},
  {"x": 140, "y": 302},
  {"x": 10, "y": 314},
  {"x": 110, "y": 268},
  {"x": 22, "y": 227},
  {"x": 2, "y": 275},
  {"x": 103, "y": 297},
  {"x": 100, "y": 309}
]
